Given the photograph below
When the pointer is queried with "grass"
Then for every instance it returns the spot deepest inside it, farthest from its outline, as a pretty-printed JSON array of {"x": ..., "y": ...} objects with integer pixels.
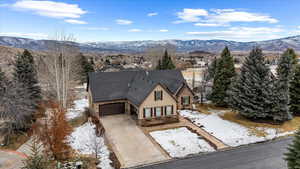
[
  {"x": 288, "y": 126},
  {"x": 205, "y": 108}
]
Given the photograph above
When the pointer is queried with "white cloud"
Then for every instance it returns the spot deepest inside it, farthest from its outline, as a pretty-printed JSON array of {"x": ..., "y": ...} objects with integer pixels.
[
  {"x": 298, "y": 27},
  {"x": 50, "y": 8},
  {"x": 164, "y": 30},
  {"x": 208, "y": 24},
  {"x": 190, "y": 15},
  {"x": 221, "y": 17},
  {"x": 239, "y": 16},
  {"x": 134, "y": 30},
  {"x": 25, "y": 35},
  {"x": 123, "y": 22},
  {"x": 74, "y": 21},
  {"x": 152, "y": 14},
  {"x": 241, "y": 33},
  {"x": 96, "y": 28}
]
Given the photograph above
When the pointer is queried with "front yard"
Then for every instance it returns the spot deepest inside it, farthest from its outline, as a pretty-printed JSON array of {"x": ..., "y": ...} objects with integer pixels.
[
  {"x": 180, "y": 142},
  {"x": 84, "y": 141},
  {"x": 232, "y": 131}
]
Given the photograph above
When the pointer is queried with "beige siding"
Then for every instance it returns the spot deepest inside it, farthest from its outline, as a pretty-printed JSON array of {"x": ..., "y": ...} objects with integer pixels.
[
  {"x": 184, "y": 92},
  {"x": 149, "y": 102}
]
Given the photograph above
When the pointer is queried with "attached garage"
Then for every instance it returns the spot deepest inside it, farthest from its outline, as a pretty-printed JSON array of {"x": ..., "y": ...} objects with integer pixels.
[{"x": 111, "y": 109}]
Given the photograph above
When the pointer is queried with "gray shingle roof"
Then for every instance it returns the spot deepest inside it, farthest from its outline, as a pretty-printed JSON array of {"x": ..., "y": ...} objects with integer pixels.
[{"x": 132, "y": 85}]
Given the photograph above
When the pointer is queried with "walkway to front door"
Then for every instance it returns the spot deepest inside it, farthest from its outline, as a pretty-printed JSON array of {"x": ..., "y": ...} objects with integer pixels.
[{"x": 130, "y": 144}]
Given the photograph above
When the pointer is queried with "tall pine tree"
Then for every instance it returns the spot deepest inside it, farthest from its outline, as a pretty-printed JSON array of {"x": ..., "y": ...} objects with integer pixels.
[
  {"x": 86, "y": 67},
  {"x": 295, "y": 92},
  {"x": 25, "y": 73},
  {"x": 212, "y": 67},
  {"x": 224, "y": 74},
  {"x": 291, "y": 53},
  {"x": 251, "y": 94},
  {"x": 166, "y": 62},
  {"x": 158, "y": 67},
  {"x": 281, "y": 88},
  {"x": 293, "y": 155}
]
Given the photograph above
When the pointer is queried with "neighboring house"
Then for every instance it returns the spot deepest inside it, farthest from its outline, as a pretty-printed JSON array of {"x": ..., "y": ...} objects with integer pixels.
[{"x": 151, "y": 97}]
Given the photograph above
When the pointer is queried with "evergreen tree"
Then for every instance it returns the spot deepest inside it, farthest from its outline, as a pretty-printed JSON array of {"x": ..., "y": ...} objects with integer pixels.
[
  {"x": 166, "y": 62},
  {"x": 293, "y": 155},
  {"x": 281, "y": 87},
  {"x": 86, "y": 67},
  {"x": 223, "y": 77},
  {"x": 36, "y": 160},
  {"x": 158, "y": 67},
  {"x": 295, "y": 92},
  {"x": 251, "y": 94},
  {"x": 25, "y": 73},
  {"x": 291, "y": 53},
  {"x": 212, "y": 68}
]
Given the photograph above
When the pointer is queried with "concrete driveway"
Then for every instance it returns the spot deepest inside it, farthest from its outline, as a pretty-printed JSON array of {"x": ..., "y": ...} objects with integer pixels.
[
  {"x": 130, "y": 144},
  {"x": 11, "y": 159}
]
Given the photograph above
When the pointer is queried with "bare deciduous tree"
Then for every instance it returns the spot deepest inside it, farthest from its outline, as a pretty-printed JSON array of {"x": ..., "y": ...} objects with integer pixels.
[
  {"x": 16, "y": 108},
  {"x": 62, "y": 67},
  {"x": 96, "y": 145}
]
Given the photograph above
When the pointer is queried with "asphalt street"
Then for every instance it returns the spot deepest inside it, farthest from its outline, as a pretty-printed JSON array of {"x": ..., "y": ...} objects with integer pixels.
[{"x": 267, "y": 155}]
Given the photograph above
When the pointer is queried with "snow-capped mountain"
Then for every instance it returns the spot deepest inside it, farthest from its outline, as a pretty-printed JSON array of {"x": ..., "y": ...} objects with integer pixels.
[{"x": 139, "y": 46}]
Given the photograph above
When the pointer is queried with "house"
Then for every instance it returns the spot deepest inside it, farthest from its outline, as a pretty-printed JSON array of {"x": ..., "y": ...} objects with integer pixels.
[{"x": 150, "y": 97}]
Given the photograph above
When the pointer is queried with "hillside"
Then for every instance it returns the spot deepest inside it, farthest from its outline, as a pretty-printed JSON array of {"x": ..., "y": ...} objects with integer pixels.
[{"x": 140, "y": 46}]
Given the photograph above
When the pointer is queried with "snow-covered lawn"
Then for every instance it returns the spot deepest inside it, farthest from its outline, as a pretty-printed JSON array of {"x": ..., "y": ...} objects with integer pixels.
[
  {"x": 77, "y": 109},
  {"x": 230, "y": 133},
  {"x": 84, "y": 140},
  {"x": 180, "y": 142}
]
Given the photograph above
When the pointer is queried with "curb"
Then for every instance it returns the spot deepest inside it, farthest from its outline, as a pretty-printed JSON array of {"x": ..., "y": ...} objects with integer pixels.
[
  {"x": 23, "y": 155},
  {"x": 210, "y": 153}
]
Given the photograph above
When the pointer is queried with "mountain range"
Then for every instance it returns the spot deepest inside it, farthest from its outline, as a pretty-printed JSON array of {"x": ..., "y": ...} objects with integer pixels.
[{"x": 140, "y": 46}]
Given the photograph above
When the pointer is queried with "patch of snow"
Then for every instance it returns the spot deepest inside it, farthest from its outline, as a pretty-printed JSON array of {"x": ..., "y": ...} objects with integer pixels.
[
  {"x": 84, "y": 140},
  {"x": 273, "y": 69},
  {"x": 83, "y": 86},
  {"x": 180, "y": 142},
  {"x": 219, "y": 112},
  {"x": 78, "y": 109},
  {"x": 230, "y": 133}
]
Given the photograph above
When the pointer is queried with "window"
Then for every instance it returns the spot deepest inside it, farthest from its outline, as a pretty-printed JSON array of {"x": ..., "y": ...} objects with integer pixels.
[
  {"x": 147, "y": 112},
  {"x": 169, "y": 110},
  {"x": 158, "y": 95},
  {"x": 185, "y": 100},
  {"x": 158, "y": 111}
]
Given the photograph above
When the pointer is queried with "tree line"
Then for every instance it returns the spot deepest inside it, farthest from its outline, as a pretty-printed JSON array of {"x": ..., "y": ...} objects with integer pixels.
[{"x": 255, "y": 92}]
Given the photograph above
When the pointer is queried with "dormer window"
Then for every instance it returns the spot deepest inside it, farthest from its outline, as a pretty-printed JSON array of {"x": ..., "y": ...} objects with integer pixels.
[{"x": 158, "y": 95}]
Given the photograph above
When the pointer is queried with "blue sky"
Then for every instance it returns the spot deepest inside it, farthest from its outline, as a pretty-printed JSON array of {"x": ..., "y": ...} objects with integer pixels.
[{"x": 120, "y": 20}]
